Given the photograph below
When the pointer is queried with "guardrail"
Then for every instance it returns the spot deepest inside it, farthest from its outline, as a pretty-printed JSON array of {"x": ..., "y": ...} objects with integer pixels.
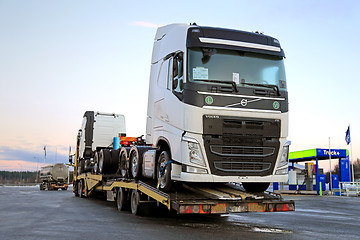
[{"x": 348, "y": 189}]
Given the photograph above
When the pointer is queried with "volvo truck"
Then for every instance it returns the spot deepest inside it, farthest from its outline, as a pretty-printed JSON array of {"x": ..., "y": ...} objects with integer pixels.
[{"x": 218, "y": 107}]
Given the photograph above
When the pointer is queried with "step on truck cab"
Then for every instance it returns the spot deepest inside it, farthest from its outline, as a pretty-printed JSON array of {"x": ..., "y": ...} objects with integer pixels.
[{"x": 218, "y": 106}]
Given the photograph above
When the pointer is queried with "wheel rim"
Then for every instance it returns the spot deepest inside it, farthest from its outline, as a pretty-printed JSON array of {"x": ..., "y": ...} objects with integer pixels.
[
  {"x": 101, "y": 160},
  {"x": 134, "y": 201},
  {"x": 123, "y": 165},
  {"x": 162, "y": 172},
  {"x": 79, "y": 188},
  {"x": 134, "y": 165}
]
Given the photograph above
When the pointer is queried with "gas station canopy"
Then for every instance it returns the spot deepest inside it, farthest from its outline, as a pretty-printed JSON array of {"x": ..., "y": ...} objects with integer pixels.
[{"x": 317, "y": 154}]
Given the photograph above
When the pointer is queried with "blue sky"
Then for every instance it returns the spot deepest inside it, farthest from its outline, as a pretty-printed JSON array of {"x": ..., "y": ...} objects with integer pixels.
[{"x": 61, "y": 58}]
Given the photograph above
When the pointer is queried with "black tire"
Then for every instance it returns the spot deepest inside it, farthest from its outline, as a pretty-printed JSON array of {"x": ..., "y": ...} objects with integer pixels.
[
  {"x": 96, "y": 163},
  {"x": 123, "y": 162},
  {"x": 122, "y": 202},
  {"x": 80, "y": 189},
  {"x": 114, "y": 164},
  {"x": 163, "y": 170},
  {"x": 104, "y": 159},
  {"x": 136, "y": 206},
  {"x": 75, "y": 186},
  {"x": 135, "y": 163},
  {"x": 255, "y": 186}
]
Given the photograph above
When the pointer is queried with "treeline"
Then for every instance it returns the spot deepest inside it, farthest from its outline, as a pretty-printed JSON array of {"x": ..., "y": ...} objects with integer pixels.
[
  {"x": 23, "y": 177},
  {"x": 15, "y": 177}
]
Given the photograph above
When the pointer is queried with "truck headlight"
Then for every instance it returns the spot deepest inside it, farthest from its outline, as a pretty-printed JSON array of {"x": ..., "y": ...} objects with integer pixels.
[
  {"x": 195, "y": 155},
  {"x": 284, "y": 160}
]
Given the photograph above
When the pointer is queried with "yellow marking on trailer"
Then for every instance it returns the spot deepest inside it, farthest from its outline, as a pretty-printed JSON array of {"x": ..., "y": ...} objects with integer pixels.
[{"x": 156, "y": 196}]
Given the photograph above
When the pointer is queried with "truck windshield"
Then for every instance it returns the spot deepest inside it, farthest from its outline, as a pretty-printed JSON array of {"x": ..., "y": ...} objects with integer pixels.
[{"x": 246, "y": 69}]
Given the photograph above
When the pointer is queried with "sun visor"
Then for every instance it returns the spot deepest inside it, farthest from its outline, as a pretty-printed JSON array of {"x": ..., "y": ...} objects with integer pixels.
[{"x": 233, "y": 40}]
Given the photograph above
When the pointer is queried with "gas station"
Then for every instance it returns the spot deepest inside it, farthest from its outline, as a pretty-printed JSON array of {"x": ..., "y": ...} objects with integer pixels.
[{"x": 312, "y": 172}]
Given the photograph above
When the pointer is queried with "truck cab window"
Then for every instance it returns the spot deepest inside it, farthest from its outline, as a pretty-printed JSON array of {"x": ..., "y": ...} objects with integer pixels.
[
  {"x": 169, "y": 79},
  {"x": 178, "y": 76}
]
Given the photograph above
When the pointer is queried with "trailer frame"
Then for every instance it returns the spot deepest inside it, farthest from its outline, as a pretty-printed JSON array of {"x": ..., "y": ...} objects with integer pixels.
[{"x": 192, "y": 199}]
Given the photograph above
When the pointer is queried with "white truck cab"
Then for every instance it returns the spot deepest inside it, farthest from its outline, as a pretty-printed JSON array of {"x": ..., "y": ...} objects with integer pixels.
[
  {"x": 97, "y": 132},
  {"x": 218, "y": 106}
]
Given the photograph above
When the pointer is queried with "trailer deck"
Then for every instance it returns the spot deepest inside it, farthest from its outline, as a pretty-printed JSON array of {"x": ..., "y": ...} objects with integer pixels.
[{"x": 190, "y": 198}]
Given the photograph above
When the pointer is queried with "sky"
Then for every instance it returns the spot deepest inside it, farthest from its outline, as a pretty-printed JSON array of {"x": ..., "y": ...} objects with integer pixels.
[{"x": 59, "y": 59}]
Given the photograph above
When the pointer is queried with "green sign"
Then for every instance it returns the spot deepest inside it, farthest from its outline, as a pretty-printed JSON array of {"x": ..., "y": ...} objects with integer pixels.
[
  {"x": 209, "y": 100},
  {"x": 276, "y": 105}
]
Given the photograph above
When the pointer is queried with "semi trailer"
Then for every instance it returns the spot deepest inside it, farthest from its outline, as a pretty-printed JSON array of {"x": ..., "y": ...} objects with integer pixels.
[
  {"x": 54, "y": 177},
  {"x": 217, "y": 115}
]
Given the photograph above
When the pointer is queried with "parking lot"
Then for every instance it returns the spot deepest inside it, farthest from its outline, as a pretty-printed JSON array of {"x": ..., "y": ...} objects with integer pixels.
[{"x": 27, "y": 213}]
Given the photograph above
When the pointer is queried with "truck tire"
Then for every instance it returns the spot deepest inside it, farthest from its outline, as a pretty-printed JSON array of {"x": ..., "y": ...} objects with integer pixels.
[
  {"x": 135, "y": 163},
  {"x": 136, "y": 207},
  {"x": 75, "y": 186},
  {"x": 80, "y": 189},
  {"x": 124, "y": 162},
  {"x": 122, "y": 202},
  {"x": 104, "y": 159},
  {"x": 96, "y": 162},
  {"x": 114, "y": 164},
  {"x": 255, "y": 186},
  {"x": 163, "y": 169},
  {"x": 136, "y": 160}
]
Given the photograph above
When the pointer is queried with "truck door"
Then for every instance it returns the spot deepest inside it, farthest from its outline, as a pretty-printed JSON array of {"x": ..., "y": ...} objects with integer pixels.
[{"x": 169, "y": 109}]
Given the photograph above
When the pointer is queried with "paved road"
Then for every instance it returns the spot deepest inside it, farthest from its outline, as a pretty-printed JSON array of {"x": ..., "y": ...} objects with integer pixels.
[{"x": 27, "y": 213}]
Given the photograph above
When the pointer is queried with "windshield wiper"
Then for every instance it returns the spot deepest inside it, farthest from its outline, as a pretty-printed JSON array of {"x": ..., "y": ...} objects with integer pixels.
[
  {"x": 233, "y": 84},
  {"x": 272, "y": 86}
]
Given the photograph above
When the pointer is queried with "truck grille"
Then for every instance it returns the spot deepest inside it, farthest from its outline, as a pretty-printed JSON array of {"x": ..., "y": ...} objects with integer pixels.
[
  {"x": 242, "y": 166},
  {"x": 241, "y": 151},
  {"x": 241, "y": 146}
]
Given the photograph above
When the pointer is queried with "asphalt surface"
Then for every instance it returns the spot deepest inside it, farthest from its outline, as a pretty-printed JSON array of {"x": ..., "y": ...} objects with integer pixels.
[{"x": 28, "y": 213}]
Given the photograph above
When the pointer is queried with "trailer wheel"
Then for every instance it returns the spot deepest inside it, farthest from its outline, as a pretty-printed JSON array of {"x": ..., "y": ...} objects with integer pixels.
[
  {"x": 164, "y": 171},
  {"x": 255, "y": 187},
  {"x": 121, "y": 199},
  {"x": 136, "y": 206},
  {"x": 80, "y": 189},
  {"x": 75, "y": 186}
]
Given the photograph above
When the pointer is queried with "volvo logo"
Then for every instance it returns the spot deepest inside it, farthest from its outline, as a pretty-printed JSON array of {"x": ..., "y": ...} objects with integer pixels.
[{"x": 244, "y": 102}]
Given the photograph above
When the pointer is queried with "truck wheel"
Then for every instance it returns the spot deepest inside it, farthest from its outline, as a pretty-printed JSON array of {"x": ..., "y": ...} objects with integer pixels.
[
  {"x": 136, "y": 206},
  {"x": 96, "y": 162},
  {"x": 255, "y": 187},
  {"x": 114, "y": 161},
  {"x": 104, "y": 160},
  {"x": 164, "y": 171},
  {"x": 121, "y": 199},
  {"x": 135, "y": 165},
  {"x": 123, "y": 166}
]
